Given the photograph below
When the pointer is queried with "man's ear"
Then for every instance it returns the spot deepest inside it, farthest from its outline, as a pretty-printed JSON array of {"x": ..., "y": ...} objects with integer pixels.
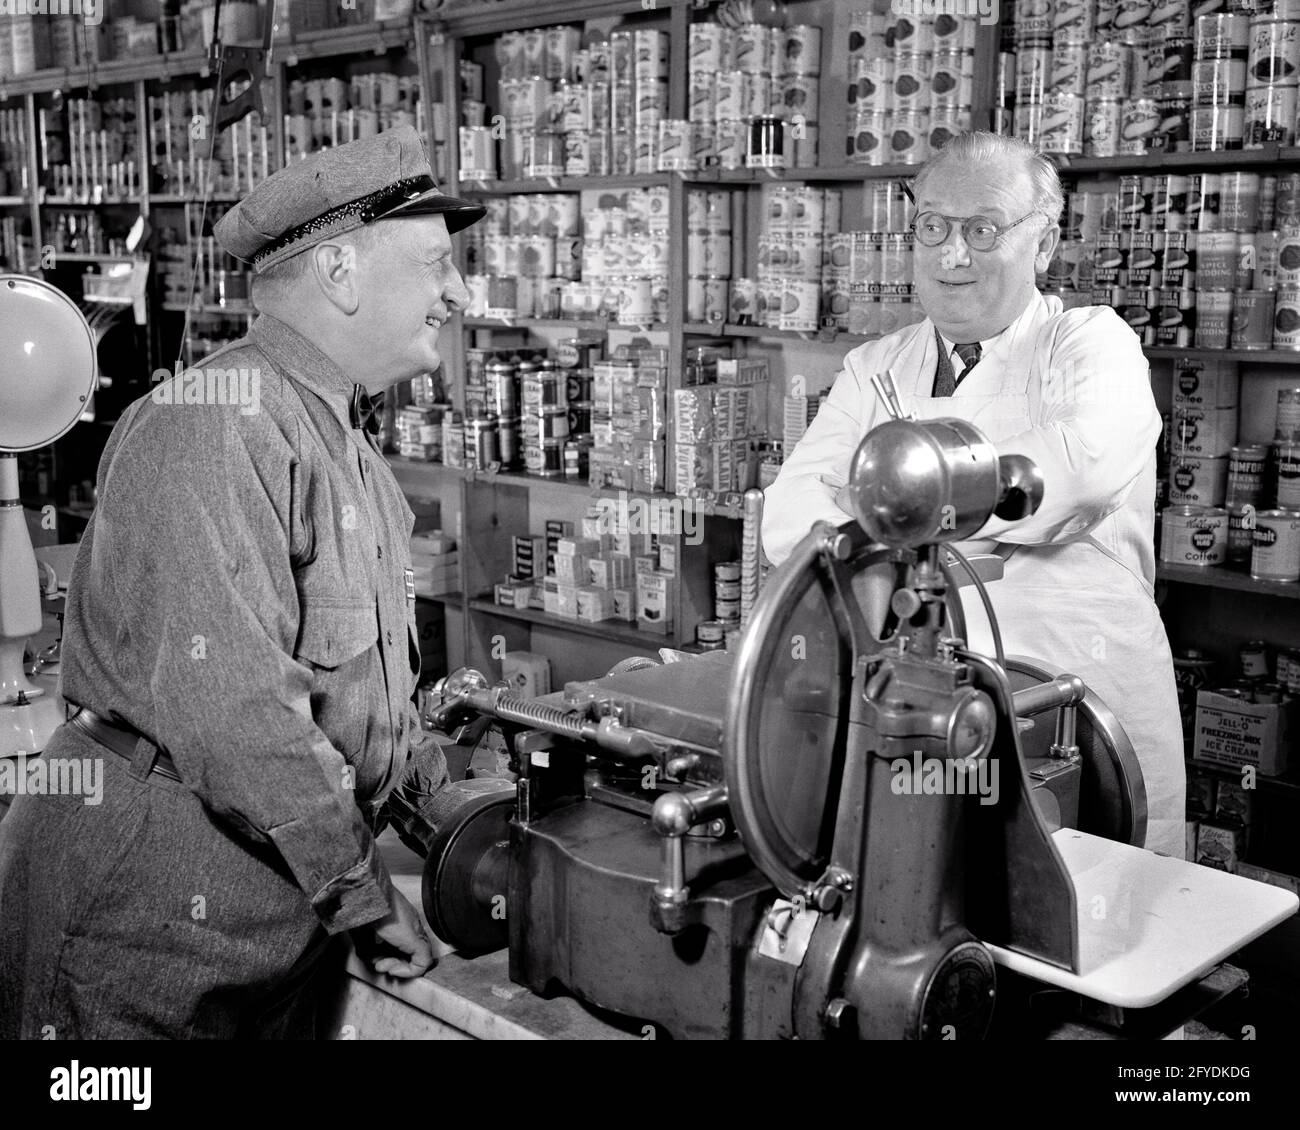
[
  {"x": 334, "y": 266},
  {"x": 1047, "y": 241}
]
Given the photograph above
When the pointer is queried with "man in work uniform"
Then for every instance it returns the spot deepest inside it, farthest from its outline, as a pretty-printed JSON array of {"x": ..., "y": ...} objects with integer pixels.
[{"x": 240, "y": 640}]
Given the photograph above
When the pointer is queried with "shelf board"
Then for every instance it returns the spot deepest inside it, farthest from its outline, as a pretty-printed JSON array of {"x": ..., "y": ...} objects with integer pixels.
[
  {"x": 78, "y": 202},
  {"x": 171, "y": 198},
  {"x": 245, "y": 311},
  {"x": 557, "y": 324},
  {"x": 616, "y": 630},
  {"x": 823, "y": 337},
  {"x": 1219, "y": 576},
  {"x": 82, "y": 257},
  {"x": 836, "y": 173},
  {"x": 12, "y": 201},
  {"x": 1283, "y": 784},
  {"x": 523, "y": 479},
  {"x": 1211, "y": 159},
  {"x": 441, "y": 598},
  {"x": 563, "y": 184},
  {"x": 1250, "y": 356}
]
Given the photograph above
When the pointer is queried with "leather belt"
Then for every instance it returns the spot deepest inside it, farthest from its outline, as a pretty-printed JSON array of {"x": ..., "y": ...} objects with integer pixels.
[{"x": 121, "y": 741}]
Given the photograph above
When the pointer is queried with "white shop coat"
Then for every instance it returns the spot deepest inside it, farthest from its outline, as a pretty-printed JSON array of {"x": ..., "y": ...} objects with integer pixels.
[{"x": 1071, "y": 391}]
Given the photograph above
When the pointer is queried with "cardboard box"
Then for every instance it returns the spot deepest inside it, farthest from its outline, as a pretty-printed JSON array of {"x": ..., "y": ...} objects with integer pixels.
[
  {"x": 1233, "y": 733},
  {"x": 434, "y": 544},
  {"x": 1219, "y": 846},
  {"x": 527, "y": 673},
  {"x": 654, "y": 602},
  {"x": 529, "y": 556}
]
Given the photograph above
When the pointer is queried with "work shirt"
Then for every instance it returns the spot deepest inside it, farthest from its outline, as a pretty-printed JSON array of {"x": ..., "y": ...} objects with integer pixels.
[
  {"x": 1070, "y": 390},
  {"x": 241, "y": 596}
]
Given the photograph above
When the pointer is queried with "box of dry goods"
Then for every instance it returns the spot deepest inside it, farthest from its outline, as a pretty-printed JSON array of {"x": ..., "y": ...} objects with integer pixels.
[{"x": 1233, "y": 733}]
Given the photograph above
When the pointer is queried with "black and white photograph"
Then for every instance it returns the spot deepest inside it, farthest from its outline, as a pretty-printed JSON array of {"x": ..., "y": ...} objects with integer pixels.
[{"x": 651, "y": 521}]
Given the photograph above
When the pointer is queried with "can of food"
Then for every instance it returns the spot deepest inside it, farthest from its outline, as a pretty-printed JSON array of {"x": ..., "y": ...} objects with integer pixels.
[
  {"x": 1286, "y": 319},
  {"x": 1033, "y": 21},
  {"x": 478, "y": 153},
  {"x": 1193, "y": 671},
  {"x": 481, "y": 450},
  {"x": 1193, "y": 535},
  {"x": 543, "y": 388},
  {"x": 727, "y": 610},
  {"x": 1274, "y": 50},
  {"x": 1219, "y": 82},
  {"x": 1175, "y": 259},
  {"x": 1275, "y": 552},
  {"x": 1222, "y": 35},
  {"x": 1217, "y": 127},
  {"x": 1069, "y": 69},
  {"x": 1108, "y": 259},
  {"x": 911, "y": 89},
  {"x": 800, "y": 305},
  {"x": 801, "y": 49},
  {"x": 1175, "y": 316},
  {"x": 706, "y": 44},
  {"x": 766, "y": 143},
  {"x": 1173, "y": 135},
  {"x": 1287, "y": 201},
  {"x": 952, "y": 77},
  {"x": 1287, "y": 429},
  {"x": 946, "y": 122},
  {"x": 1203, "y": 201},
  {"x": 751, "y": 48},
  {"x": 1140, "y": 119},
  {"x": 910, "y": 139},
  {"x": 676, "y": 152},
  {"x": 1252, "y": 320},
  {"x": 1213, "y": 319},
  {"x": 726, "y": 590},
  {"x": 1254, "y": 660},
  {"x": 1176, "y": 63},
  {"x": 1266, "y": 694},
  {"x": 502, "y": 388},
  {"x": 1247, "y": 464},
  {"x": 1110, "y": 69},
  {"x": 1286, "y": 457},
  {"x": 1061, "y": 129},
  {"x": 726, "y": 571},
  {"x": 1241, "y": 532},
  {"x": 1101, "y": 127},
  {"x": 1199, "y": 482},
  {"x": 1270, "y": 116},
  {"x": 553, "y": 423},
  {"x": 1027, "y": 120},
  {"x": 710, "y": 632}
]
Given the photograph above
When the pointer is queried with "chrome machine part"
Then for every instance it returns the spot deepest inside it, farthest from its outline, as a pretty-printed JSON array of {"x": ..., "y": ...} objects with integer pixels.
[{"x": 466, "y": 875}]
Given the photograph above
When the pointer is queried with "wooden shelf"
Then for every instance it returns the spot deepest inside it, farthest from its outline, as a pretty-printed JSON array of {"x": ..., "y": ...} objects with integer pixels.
[
  {"x": 1280, "y": 784},
  {"x": 616, "y": 630},
  {"x": 1219, "y": 576},
  {"x": 558, "y": 324},
  {"x": 1249, "y": 356},
  {"x": 822, "y": 337},
  {"x": 1212, "y": 159},
  {"x": 563, "y": 184}
]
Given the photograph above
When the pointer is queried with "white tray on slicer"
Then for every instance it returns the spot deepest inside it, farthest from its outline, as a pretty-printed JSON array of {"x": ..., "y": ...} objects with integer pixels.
[{"x": 1148, "y": 924}]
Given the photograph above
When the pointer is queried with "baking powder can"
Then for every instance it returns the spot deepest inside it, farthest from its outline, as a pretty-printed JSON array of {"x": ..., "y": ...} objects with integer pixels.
[
  {"x": 1193, "y": 535},
  {"x": 1276, "y": 546},
  {"x": 1286, "y": 319},
  {"x": 1247, "y": 465},
  {"x": 1221, "y": 35}
]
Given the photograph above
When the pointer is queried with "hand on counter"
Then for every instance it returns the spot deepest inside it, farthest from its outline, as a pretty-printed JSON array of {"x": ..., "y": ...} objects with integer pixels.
[{"x": 396, "y": 944}]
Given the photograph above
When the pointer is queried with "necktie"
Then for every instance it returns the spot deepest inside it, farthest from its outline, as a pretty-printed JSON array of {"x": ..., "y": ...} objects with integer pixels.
[
  {"x": 945, "y": 382},
  {"x": 365, "y": 412}
]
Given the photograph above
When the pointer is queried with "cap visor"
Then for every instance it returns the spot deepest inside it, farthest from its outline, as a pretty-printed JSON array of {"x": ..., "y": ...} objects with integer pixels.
[{"x": 459, "y": 213}]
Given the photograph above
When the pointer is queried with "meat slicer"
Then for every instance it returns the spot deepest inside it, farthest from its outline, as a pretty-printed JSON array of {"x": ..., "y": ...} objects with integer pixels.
[{"x": 853, "y": 827}]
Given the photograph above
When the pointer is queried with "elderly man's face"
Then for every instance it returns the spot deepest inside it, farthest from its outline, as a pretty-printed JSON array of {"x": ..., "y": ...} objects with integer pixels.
[
  {"x": 973, "y": 295},
  {"x": 409, "y": 286}
]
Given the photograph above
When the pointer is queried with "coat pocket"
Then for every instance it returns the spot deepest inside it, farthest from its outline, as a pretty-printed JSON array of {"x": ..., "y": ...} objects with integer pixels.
[{"x": 330, "y": 633}]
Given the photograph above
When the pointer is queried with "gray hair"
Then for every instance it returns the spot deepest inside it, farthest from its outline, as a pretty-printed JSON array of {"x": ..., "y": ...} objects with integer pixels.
[{"x": 979, "y": 147}]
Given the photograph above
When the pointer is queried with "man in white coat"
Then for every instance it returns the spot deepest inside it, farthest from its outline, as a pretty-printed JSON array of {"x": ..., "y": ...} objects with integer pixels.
[{"x": 1067, "y": 388}]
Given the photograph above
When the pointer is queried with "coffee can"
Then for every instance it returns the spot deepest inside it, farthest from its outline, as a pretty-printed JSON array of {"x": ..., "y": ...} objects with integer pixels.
[
  {"x": 1193, "y": 535},
  {"x": 1286, "y": 319}
]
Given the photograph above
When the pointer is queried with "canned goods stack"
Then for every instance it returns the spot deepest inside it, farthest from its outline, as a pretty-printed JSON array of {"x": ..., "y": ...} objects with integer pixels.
[
  {"x": 708, "y": 255},
  {"x": 1207, "y": 260},
  {"x": 324, "y": 113},
  {"x": 714, "y": 426},
  {"x": 571, "y": 110},
  {"x": 628, "y": 419},
  {"x": 910, "y": 81},
  {"x": 1117, "y": 77},
  {"x": 726, "y": 593},
  {"x": 791, "y": 254},
  {"x": 754, "y": 96},
  {"x": 522, "y": 254},
  {"x": 244, "y": 154}
]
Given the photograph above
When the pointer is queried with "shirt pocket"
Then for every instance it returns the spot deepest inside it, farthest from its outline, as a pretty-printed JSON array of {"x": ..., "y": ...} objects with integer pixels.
[{"x": 334, "y": 632}]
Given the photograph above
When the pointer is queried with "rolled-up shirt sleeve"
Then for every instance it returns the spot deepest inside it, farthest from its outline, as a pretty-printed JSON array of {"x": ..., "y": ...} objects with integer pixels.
[
  {"x": 813, "y": 474},
  {"x": 232, "y": 706},
  {"x": 1098, "y": 426}
]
